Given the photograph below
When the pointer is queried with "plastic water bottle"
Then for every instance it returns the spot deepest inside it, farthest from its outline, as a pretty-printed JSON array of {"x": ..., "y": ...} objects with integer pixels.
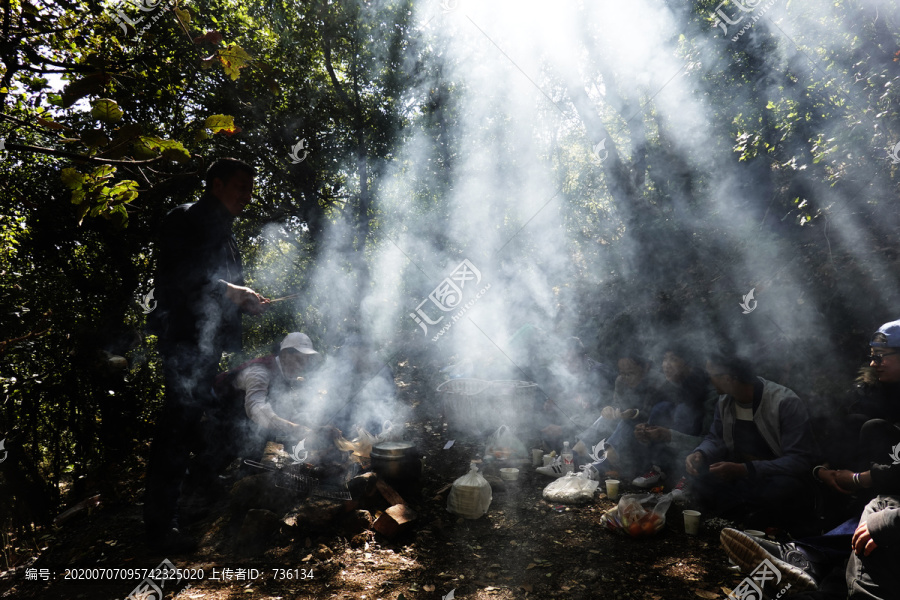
[{"x": 568, "y": 459}]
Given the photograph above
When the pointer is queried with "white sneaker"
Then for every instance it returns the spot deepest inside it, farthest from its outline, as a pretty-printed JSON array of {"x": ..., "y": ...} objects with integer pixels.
[
  {"x": 554, "y": 469},
  {"x": 679, "y": 492},
  {"x": 650, "y": 478}
]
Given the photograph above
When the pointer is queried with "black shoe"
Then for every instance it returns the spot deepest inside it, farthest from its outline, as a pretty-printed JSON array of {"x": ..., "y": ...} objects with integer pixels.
[
  {"x": 172, "y": 541},
  {"x": 807, "y": 559},
  {"x": 792, "y": 562}
]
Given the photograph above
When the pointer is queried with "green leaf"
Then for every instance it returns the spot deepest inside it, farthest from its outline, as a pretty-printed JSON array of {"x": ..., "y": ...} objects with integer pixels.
[
  {"x": 223, "y": 123},
  {"x": 83, "y": 208},
  {"x": 184, "y": 15},
  {"x": 106, "y": 110},
  {"x": 234, "y": 58},
  {"x": 170, "y": 149},
  {"x": 72, "y": 178},
  {"x": 142, "y": 150},
  {"x": 103, "y": 172},
  {"x": 78, "y": 198}
]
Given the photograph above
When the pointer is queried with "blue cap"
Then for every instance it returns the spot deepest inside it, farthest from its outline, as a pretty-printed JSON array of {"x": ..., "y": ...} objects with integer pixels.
[{"x": 891, "y": 333}]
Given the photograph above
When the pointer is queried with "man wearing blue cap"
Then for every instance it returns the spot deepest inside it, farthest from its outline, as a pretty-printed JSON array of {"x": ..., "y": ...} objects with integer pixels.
[{"x": 877, "y": 409}]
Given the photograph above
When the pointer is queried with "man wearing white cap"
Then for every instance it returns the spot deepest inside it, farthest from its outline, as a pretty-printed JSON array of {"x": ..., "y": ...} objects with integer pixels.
[{"x": 257, "y": 384}]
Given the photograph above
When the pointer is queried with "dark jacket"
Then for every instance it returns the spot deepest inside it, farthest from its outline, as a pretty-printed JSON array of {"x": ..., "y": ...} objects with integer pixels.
[
  {"x": 877, "y": 401},
  {"x": 197, "y": 252},
  {"x": 782, "y": 420}
]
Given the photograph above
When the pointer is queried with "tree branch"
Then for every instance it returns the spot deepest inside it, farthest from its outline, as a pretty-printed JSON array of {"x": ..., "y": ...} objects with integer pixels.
[{"x": 80, "y": 157}]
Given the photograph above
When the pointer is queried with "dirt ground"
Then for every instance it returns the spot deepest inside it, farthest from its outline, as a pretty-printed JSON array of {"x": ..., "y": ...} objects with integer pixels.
[{"x": 524, "y": 547}]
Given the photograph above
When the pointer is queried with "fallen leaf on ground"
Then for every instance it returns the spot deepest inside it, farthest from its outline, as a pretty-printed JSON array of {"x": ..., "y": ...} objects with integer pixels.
[{"x": 706, "y": 594}]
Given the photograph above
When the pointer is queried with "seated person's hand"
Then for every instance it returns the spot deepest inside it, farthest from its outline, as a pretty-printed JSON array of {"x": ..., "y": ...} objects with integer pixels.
[
  {"x": 651, "y": 433},
  {"x": 610, "y": 413},
  {"x": 640, "y": 433},
  {"x": 830, "y": 478},
  {"x": 694, "y": 463},
  {"x": 862, "y": 540},
  {"x": 728, "y": 471}
]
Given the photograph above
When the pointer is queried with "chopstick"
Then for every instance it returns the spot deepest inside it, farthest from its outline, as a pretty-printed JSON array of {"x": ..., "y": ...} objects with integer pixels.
[{"x": 284, "y": 298}]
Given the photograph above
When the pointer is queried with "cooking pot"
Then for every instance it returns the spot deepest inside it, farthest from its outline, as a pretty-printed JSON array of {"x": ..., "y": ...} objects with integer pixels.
[{"x": 399, "y": 461}]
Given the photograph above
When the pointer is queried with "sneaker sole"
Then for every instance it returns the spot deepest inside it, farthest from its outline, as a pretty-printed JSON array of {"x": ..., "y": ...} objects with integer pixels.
[{"x": 748, "y": 555}]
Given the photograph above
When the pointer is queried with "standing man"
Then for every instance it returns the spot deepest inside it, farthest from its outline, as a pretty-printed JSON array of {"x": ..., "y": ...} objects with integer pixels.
[{"x": 201, "y": 295}]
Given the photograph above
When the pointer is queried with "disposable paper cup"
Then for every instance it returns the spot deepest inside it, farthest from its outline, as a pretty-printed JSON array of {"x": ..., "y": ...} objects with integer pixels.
[
  {"x": 691, "y": 521},
  {"x": 547, "y": 460},
  {"x": 612, "y": 488},
  {"x": 755, "y": 533},
  {"x": 537, "y": 457},
  {"x": 509, "y": 474}
]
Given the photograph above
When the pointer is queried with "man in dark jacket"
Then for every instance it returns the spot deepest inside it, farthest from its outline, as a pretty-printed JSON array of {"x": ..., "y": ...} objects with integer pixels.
[
  {"x": 757, "y": 455},
  {"x": 201, "y": 295}
]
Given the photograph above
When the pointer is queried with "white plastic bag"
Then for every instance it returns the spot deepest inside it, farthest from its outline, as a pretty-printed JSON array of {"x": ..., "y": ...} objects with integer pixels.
[
  {"x": 504, "y": 444},
  {"x": 470, "y": 495},
  {"x": 636, "y": 516},
  {"x": 574, "y": 488}
]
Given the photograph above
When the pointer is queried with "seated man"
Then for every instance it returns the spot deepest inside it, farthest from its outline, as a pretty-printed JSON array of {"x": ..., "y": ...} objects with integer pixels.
[
  {"x": 638, "y": 389},
  {"x": 875, "y": 415},
  {"x": 758, "y": 453},
  {"x": 806, "y": 563},
  {"x": 245, "y": 417},
  {"x": 677, "y": 425}
]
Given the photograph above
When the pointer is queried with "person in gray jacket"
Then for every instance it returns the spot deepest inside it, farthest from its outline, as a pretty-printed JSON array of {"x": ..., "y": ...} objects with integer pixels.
[{"x": 759, "y": 450}]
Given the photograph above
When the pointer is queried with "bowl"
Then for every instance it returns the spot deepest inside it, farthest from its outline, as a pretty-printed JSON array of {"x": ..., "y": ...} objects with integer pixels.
[{"x": 509, "y": 474}]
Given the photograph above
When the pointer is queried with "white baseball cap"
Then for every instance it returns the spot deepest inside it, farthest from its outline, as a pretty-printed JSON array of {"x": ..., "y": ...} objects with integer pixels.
[{"x": 298, "y": 341}]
